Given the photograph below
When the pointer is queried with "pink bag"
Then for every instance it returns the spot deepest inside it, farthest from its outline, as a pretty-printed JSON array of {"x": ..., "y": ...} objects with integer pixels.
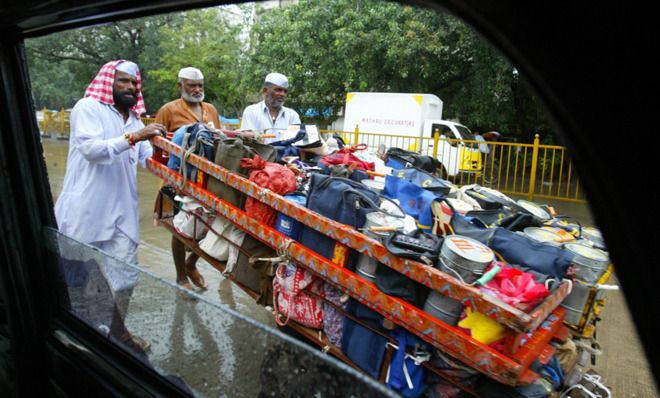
[
  {"x": 517, "y": 288},
  {"x": 291, "y": 299}
]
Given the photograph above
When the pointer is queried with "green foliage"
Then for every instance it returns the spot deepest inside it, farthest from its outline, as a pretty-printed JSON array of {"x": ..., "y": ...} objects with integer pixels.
[
  {"x": 207, "y": 41},
  {"x": 326, "y": 48},
  {"x": 68, "y": 61}
]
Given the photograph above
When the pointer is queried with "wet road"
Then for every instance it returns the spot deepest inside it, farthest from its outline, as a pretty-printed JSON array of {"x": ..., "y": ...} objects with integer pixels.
[{"x": 188, "y": 333}]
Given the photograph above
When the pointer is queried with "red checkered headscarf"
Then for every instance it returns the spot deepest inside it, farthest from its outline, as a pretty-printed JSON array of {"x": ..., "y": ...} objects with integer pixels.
[{"x": 100, "y": 88}]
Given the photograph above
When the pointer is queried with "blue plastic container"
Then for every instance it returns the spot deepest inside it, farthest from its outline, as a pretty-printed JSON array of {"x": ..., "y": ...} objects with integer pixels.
[{"x": 287, "y": 225}]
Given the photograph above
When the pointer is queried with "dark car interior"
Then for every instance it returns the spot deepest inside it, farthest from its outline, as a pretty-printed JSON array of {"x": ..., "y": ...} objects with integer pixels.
[{"x": 585, "y": 70}]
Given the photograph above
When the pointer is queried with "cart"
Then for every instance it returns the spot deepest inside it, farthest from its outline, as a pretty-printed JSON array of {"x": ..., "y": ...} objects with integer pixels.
[{"x": 536, "y": 328}]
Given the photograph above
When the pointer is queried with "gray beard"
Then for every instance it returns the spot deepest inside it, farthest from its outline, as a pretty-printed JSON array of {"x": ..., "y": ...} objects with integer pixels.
[{"x": 189, "y": 98}]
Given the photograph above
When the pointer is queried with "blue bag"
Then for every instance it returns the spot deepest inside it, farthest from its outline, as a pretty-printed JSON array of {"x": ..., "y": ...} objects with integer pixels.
[
  {"x": 471, "y": 227},
  {"x": 286, "y": 148},
  {"x": 415, "y": 201},
  {"x": 363, "y": 346},
  {"x": 521, "y": 250},
  {"x": 406, "y": 374},
  {"x": 424, "y": 180},
  {"x": 287, "y": 225},
  {"x": 339, "y": 199},
  {"x": 192, "y": 138}
]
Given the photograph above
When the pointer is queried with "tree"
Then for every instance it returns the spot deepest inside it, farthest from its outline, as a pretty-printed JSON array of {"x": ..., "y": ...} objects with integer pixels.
[
  {"x": 208, "y": 40},
  {"x": 63, "y": 64},
  {"x": 331, "y": 48}
]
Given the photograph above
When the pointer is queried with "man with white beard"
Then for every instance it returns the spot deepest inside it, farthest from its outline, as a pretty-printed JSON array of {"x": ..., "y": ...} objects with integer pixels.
[{"x": 188, "y": 109}]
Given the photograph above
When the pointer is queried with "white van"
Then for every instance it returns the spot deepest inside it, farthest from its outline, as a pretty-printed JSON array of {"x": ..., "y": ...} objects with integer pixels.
[{"x": 414, "y": 115}]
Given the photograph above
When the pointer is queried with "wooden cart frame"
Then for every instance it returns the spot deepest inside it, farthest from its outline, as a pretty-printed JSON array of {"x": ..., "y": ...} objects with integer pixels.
[{"x": 536, "y": 328}]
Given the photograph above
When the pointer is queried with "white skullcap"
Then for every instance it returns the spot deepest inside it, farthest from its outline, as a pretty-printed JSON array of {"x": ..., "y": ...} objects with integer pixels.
[
  {"x": 129, "y": 67},
  {"x": 277, "y": 79},
  {"x": 191, "y": 73}
]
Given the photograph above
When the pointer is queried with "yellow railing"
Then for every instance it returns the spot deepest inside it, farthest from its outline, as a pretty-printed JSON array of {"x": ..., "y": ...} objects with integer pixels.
[{"x": 534, "y": 171}]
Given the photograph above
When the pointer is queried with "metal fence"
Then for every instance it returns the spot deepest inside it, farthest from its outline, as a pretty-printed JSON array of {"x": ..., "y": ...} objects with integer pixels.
[{"x": 532, "y": 170}]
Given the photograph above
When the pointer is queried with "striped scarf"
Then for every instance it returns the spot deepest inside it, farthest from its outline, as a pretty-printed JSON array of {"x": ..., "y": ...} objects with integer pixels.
[{"x": 100, "y": 88}]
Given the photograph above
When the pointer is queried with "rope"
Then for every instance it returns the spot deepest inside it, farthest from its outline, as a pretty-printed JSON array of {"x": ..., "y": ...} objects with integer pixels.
[{"x": 596, "y": 381}]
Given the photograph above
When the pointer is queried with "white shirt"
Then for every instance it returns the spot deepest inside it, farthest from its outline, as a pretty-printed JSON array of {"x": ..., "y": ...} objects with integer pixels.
[
  {"x": 99, "y": 194},
  {"x": 257, "y": 117}
]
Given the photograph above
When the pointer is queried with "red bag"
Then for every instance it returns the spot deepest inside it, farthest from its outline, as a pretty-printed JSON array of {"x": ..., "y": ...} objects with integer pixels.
[
  {"x": 345, "y": 156},
  {"x": 516, "y": 287},
  {"x": 291, "y": 299},
  {"x": 273, "y": 176}
]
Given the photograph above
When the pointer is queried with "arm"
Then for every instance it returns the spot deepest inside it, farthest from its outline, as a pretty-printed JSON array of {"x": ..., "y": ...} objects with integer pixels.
[
  {"x": 296, "y": 118},
  {"x": 163, "y": 118},
  {"x": 248, "y": 120},
  {"x": 214, "y": 117}
]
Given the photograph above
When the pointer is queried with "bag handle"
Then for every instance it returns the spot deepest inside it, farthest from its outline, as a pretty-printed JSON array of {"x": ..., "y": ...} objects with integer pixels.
[
  {"x": 373, "y": 205},
  {"x": 357, "y": 186}
]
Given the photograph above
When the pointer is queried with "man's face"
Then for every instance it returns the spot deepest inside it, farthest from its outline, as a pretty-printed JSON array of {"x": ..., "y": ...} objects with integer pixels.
[
  {"x": 192, "y": 90},
  {"x": 124, "y": 89},
  {"x": 275, "y": 96}
]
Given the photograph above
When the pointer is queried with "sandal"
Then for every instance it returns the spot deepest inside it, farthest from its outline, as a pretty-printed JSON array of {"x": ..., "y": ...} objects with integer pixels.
[
  {"x": 196, "y": 278},
  {"x": 135, "y": 342}
]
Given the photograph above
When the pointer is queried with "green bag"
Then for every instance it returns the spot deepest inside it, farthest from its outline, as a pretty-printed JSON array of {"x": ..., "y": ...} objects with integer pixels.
[{"x": 228, "y": 154}]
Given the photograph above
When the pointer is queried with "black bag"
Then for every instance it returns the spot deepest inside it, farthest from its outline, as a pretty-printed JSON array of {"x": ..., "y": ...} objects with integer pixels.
[
  {"x": 471, "y": 227},
  {"x": 487, "y": 202},
  {"x": 255, "y": 274},
  {"x": 342, "y": 200},
  {"x": 228, "y": 154},
  {"x": 398, "y": 158},
  {"x": 394, "y": 283},
  {"x": 519, "y": 221},
  {"x": 417, "y": 245},
  {"x": 339, "y": 199}
]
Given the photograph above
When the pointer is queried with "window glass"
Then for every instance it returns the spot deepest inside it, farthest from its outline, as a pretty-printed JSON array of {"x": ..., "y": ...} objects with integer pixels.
[
  {"x": 218, "y": 341},
  {"x": 206, "y": 348}
]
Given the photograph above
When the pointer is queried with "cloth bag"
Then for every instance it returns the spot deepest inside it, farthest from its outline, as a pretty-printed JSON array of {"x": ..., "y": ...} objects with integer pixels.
[
  {"x": 406, "y": 375},
  {"x": 521, "y": 250},
  {"x": 193, "y": 139},
  {"x": 414, "y": 200},
  {"x": 215, "y": 243},
  {"x": 291, "y": 299},
  {"x": 333, "y": 319},
  {"x": 345, "y": 156},
  {"x": 228, "y": 154},
  {"x": 362, "y": 345},
  {"x": 339, "y": 199},
  {"x": 190, "y": 221},
  {"x": 424, "y": 179},
  {"x": 273, "y": 176},
  {"x": 249, "y": 266},
  {"x": 516, "y": 287}
]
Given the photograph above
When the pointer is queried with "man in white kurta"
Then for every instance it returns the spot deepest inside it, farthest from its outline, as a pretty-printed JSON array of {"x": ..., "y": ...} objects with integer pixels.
[
  {"x": 98, "y": 204},
  {"x": 270, "y": 116}
]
